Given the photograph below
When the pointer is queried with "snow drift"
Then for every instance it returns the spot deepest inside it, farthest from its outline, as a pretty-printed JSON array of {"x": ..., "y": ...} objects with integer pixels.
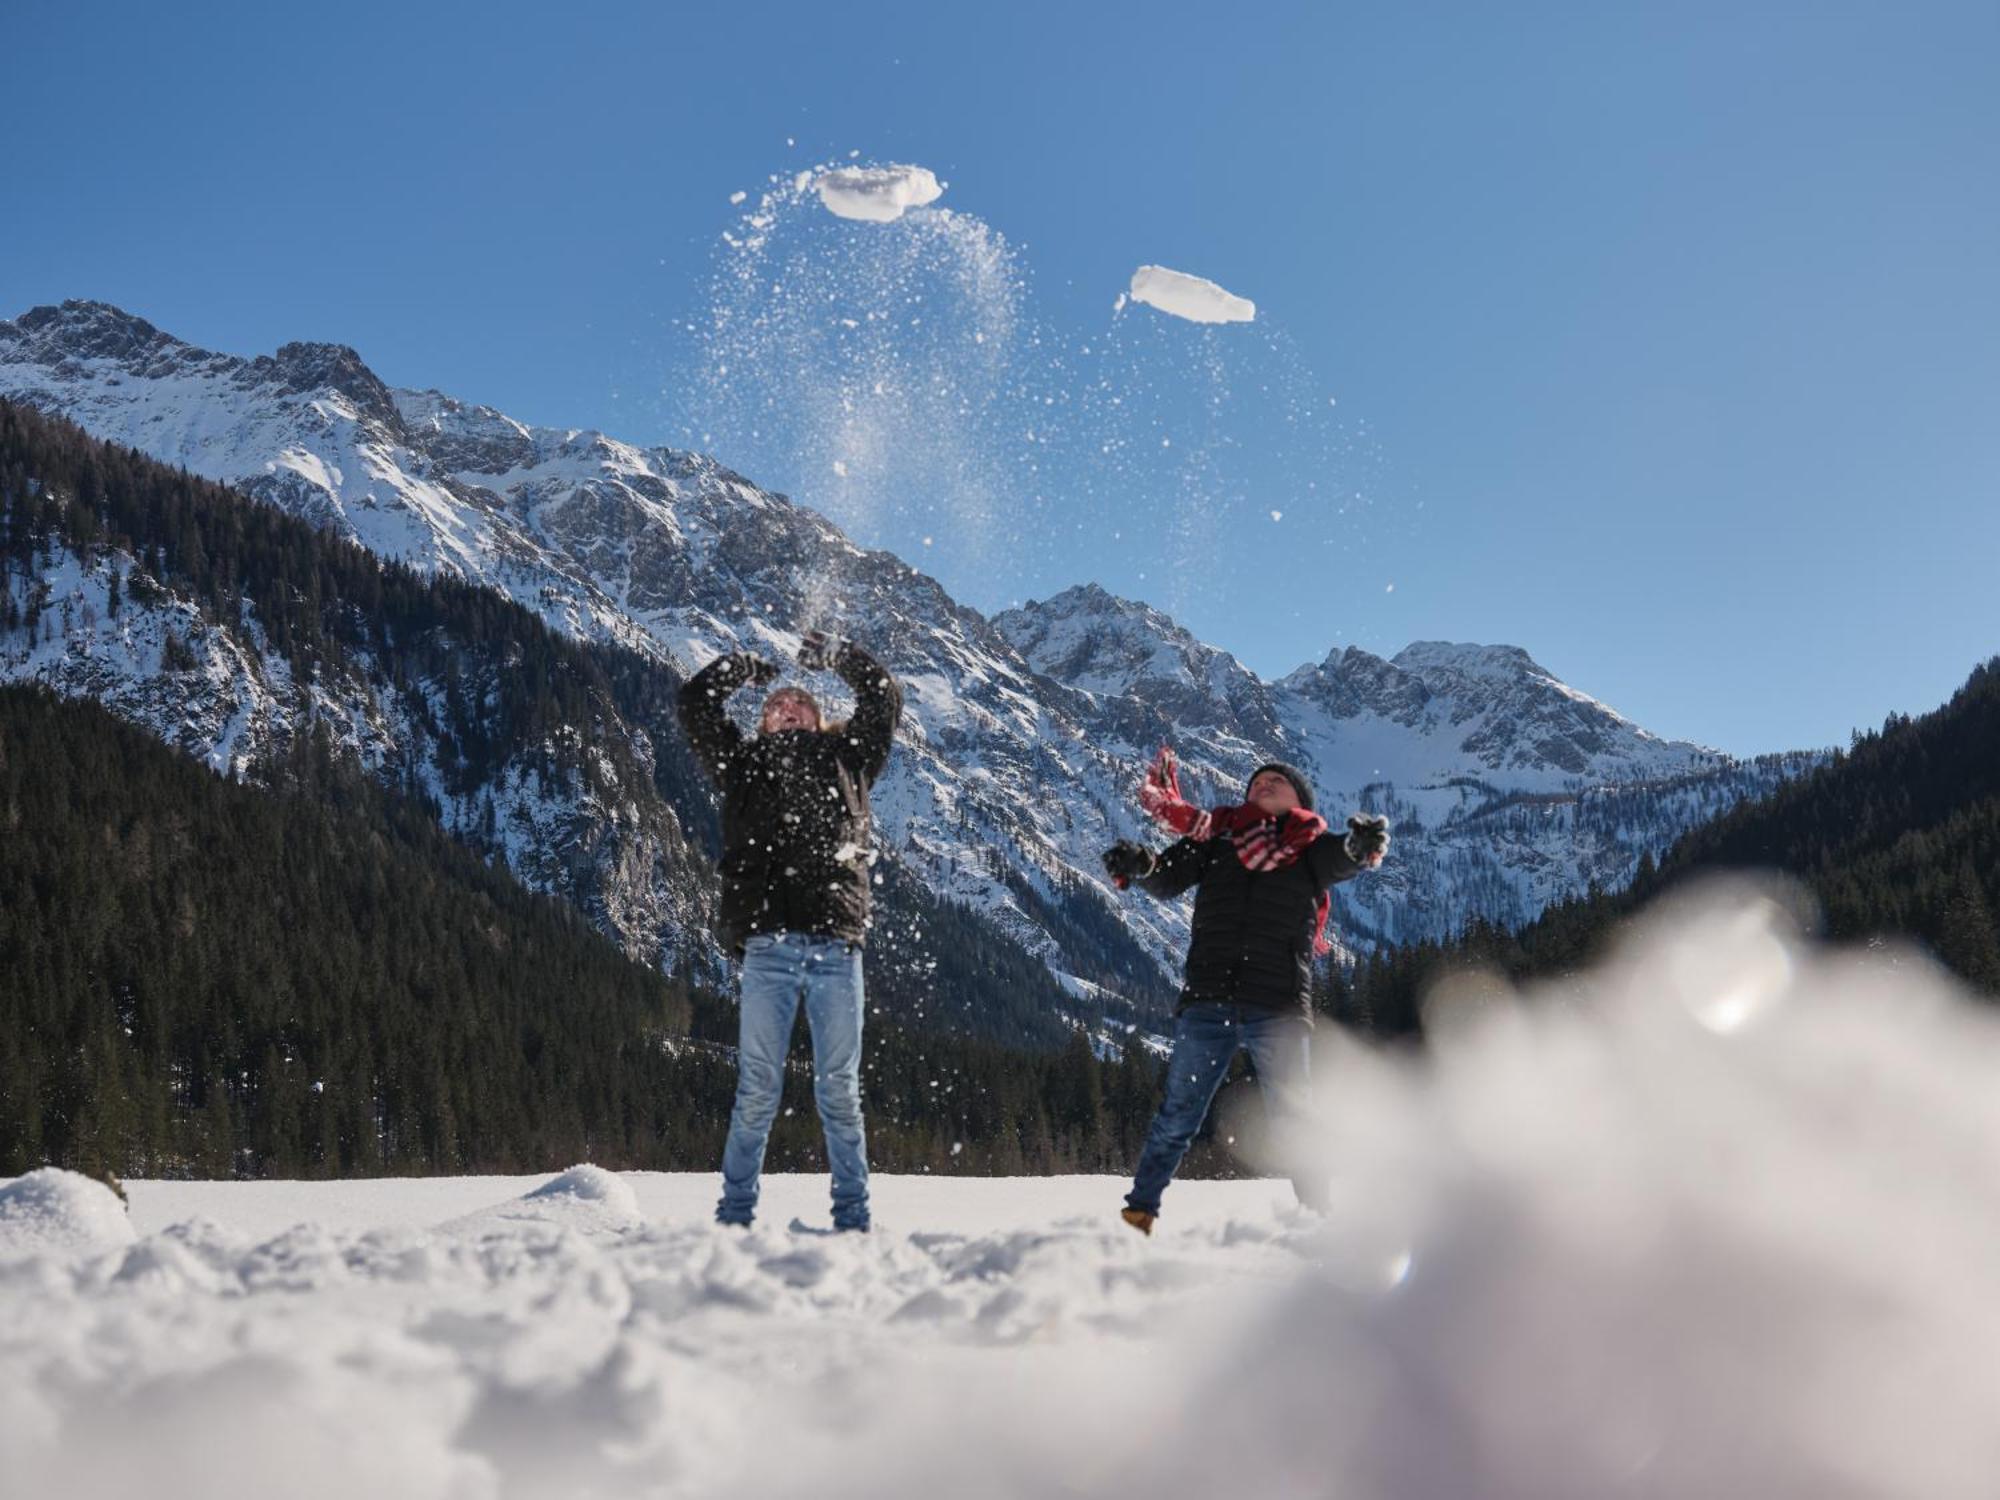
[
  {"x": 1710, "y": 1221},
  {"x": 54, "y": 1210},
  {"x": 1195, "y": 298},
  {"x": 876, "y": 195}
]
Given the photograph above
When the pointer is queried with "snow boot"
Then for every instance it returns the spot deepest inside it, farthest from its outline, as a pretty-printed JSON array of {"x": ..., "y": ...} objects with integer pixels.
[{"x": 1139, "y": 1219}]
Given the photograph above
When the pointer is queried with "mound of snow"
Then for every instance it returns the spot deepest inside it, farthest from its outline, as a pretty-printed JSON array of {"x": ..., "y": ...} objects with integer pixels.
[
  {"x": 50, "y": 1209},
  {"x": 1195, "y": 298},
  {"x": 877, "y": 195},
  {"x": 588, "y": 1184},
  {"x": 585, "y": 1197}
]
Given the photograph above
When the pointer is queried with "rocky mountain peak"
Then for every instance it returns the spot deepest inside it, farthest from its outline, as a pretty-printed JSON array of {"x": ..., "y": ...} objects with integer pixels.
[
  {"x": 303, "y": 368},
  {"x": 1492, "y": 663},
  {"x": 1090, "y": 638},
  {"x": 82, "y": 330}
]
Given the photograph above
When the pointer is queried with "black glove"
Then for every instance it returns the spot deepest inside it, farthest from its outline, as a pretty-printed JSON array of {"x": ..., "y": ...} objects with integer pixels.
[
  {"x": 748, "y": 667},
  {"x": 818, "y": 650},
  {"x": 1367, "y": 839},
  {"x": 1126, "y": 861}
]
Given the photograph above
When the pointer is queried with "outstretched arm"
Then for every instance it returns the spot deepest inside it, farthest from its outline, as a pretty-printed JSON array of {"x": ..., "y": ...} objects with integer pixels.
[
  {"x": 703, "y": 695},
  {"x": 1335, "y": 857},
  {"x": 1166, "y": 874}
]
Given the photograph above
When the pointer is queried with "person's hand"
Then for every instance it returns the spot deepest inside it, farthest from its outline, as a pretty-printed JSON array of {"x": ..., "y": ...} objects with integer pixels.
[
  {"x": 753, "y": 669},
  {"x": 1367, "y": 839},
  {"x": 1126, "y": 862},
  {"x": 818, "y": 650}
]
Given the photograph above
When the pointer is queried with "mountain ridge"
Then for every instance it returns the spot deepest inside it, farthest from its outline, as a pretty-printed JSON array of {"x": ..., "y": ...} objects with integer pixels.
[{"x": 1017, "y": 760}]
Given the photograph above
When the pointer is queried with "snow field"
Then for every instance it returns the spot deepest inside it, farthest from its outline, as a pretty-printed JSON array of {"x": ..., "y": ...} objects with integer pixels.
[
  {"x": 1711, "y": 1221},
  {"x": 594, "y": 1334}
]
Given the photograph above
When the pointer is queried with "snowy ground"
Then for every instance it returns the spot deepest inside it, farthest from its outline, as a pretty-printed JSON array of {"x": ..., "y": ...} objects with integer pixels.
[{"x": 1719, "y": 1223}]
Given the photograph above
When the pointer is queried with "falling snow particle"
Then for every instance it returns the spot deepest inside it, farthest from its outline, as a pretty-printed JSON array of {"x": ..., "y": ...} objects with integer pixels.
[
  {"x": 738, "y": 196},
  {"x": 1277, "y": 515}
]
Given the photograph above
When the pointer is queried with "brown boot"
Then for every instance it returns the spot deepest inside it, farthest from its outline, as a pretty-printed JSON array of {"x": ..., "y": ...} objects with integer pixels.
[{"x": 1138, "y": 1218}]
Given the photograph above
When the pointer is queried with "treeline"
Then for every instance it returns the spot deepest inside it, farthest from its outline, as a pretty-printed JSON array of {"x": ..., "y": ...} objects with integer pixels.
[
  {"x": 203, "y": 978},
  {"x": 1897, "y": 836}
]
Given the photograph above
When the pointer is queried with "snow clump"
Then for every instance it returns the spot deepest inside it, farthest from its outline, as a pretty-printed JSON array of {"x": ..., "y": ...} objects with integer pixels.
[
  {"x": 1195, "y": 298},
  {"x": 877, "y": 195}
]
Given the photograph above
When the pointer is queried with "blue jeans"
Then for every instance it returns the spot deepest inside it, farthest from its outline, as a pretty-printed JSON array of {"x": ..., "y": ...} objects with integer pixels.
[
  {"x": 780, "y": 970},
  {"x": 1206, "y": 1036}
]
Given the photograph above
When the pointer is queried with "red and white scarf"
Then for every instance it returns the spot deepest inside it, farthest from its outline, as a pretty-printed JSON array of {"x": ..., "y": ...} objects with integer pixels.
[{"x": 1263, "y": 841}]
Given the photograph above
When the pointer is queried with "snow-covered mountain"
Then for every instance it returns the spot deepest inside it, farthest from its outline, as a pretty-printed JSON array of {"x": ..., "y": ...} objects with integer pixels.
[
  {"x": 1508, "y": 788},
  {"x": 1024, "y": 734}
]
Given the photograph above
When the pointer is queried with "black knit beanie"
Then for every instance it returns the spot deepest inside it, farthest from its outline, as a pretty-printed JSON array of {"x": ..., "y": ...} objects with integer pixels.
[{"x": 1291, "y": 774}]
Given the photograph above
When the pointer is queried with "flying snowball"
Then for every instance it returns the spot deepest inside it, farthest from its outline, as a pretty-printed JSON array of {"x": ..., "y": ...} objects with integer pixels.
[
  {"x": 878, "y": 195},
  {"x": 1192, "y": 297}
]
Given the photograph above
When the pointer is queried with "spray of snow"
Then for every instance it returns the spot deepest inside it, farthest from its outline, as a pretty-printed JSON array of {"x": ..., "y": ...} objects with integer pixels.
[
  {"x": 897, "y": 376},
  {"x": 1195, "y": 298},
  {"x": 1705, "y": 1222},
  {"x": 855, "y": 364},
  {"x": 876, "y": 195}
]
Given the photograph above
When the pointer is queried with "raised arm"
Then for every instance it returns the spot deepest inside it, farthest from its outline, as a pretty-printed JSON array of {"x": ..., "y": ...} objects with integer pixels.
[
  {"x": 703, "y": 695},
  {"x": 878, "y": 702}
]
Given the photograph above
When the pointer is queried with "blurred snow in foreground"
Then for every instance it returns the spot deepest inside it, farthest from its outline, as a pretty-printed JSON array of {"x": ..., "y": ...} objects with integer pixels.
[{"x": 1717, "y": 1221}]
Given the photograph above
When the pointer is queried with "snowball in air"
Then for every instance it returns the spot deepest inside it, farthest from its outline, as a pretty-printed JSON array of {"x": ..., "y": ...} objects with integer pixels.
[
  {"x": 878, "y": 195},
  {"x": 1192, "y": 297}
]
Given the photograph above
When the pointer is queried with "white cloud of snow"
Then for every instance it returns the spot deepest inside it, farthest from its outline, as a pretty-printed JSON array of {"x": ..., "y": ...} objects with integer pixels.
[
  {"x": 1195, "y": 298},
  {"x": 1708, "y": 1222},
  {"x": 877, "y": 195}
]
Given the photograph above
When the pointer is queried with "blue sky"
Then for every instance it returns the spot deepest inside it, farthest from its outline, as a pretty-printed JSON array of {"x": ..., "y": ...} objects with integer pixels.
[{"x": 1666, "y": 338}]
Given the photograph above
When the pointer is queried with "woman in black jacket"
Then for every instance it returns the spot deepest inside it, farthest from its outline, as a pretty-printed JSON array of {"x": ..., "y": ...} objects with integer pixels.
[
  {"x": 1261, "y": 873},
  {"x": 794, "y": 903}
]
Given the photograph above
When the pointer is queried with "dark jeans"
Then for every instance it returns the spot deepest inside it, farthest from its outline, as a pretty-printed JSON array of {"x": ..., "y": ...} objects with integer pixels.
[{"x": 1206, "y": 1037}]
